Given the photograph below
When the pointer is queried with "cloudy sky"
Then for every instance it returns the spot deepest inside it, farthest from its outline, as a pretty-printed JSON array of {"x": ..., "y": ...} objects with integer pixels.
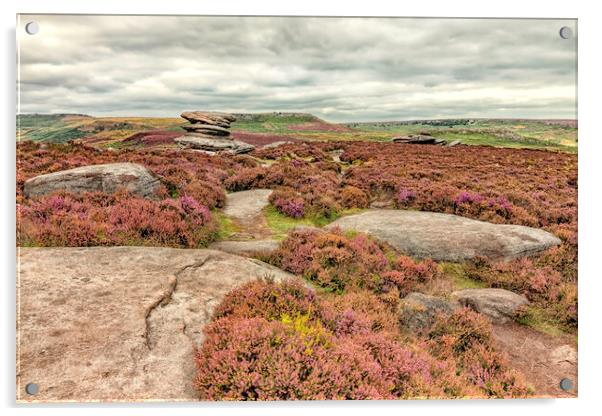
[{"x": 339, "y": 69}]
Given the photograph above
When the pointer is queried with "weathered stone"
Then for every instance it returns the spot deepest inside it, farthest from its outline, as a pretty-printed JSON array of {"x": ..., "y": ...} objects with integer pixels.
[
  {"x": 119, "y": 323},
  {"x": 246, "y": 204},
  {"x": 415, "y": 139},
  {"x": 96, "y": 178},
  {"x": 207, "y": 129},
  {"x": 247, "y": 247},
  {"x": 217, "y": 119},
  {"x": 448, "y": 237},
  {"x": 214, "y": 144},
  {"x": 336, "y": 154},
  {"x": 418, "y": 311},
  {"x": 454, "y": 143},
  {"x": 564, "y": 356},
  {"x": 500, "y": 305}
]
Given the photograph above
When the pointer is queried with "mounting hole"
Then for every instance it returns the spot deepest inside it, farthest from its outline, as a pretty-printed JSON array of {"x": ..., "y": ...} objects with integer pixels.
[
  {"x": 566, "y": 384},
  {"x": 32, "y": 388},
  {"x": 565, "y": 32},
  {"x": 32, "y": 28}
]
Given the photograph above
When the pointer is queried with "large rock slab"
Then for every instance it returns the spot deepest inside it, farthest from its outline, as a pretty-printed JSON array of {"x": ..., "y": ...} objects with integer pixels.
[
  {"x": 214, "y": 144},
  {"x": 95, "y": 178},
  {"x": 206, "y": 117},
  {"x": 448, "y": 237},
  {"x": 247, "y": 247},
  {"x": 417, "y": 311},
  {"x": 207, "y": 129},
  {"x": 244, "y": 205},
  {"x": 119, "y": 323},
  {"x": 499, "y": 305}
]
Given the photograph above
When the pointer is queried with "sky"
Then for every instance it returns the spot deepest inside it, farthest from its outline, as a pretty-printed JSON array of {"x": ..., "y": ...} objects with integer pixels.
[{"x": 340, "y": 69}]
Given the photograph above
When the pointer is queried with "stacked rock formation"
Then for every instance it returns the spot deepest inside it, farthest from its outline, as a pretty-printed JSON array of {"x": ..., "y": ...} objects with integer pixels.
[
  {"x": 423, "y": 138},
  {"x": 208, "y": 132}
]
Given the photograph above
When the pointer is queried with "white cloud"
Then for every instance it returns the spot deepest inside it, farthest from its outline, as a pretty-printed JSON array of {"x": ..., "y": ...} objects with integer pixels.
[{"x": 341, "y": 69}]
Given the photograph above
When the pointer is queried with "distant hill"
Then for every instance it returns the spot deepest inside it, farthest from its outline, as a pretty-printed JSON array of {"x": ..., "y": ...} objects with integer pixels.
[
  {"x": 463, "y": 122},
  {"x": 264, "y": 128}
]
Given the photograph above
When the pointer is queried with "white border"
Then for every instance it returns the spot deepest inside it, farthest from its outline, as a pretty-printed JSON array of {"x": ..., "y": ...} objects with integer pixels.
[{"x": 590, "y": 209}]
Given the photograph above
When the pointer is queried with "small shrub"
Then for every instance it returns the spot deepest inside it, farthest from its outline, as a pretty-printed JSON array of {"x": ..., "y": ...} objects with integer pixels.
[
  {"x": 289, "y": 203},
  {"x": 246, "y": 178},
  {"x": 404, "y": 197},
  {"x": 352, "y": 197},
  {"x": 268, "y": 300}
]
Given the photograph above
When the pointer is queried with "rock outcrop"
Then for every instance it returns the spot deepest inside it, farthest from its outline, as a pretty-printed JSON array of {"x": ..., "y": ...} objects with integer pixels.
[
  {"x": 446, "y": 237},
  {"x": 95, "y": 178},
  {"x": 214, "y": 145},
  {"x": 499, "y": 305},
  {"x": 208, "y": 132},
  {"x": 119, "y": 323},
  {"x": 419, "y": 139},
  {"x": 418, "y": 311}
]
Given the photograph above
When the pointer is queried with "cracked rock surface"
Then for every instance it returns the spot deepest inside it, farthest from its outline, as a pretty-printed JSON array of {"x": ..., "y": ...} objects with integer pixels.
[{"x": 119, "y": 323}]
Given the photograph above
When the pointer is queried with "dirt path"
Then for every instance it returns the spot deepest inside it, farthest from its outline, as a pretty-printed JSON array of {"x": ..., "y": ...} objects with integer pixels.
[
  {"x": 245, "y": 210},
  {"x": 543, "y": 359}
]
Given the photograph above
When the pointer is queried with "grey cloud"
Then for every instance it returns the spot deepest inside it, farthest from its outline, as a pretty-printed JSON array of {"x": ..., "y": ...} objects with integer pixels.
[{"x": 340, "y": 69}]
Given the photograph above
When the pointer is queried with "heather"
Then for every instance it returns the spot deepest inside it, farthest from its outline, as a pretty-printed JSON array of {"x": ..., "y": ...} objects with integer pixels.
[
  {"x": 508, "y": 186},
  {"x": 62, "y": 219},
  {"x": 178, "y": 216},
  {"x": 284, "y": 341},
  {"x": 339, "y": 262},
  {"x": 541, "y": 283}
]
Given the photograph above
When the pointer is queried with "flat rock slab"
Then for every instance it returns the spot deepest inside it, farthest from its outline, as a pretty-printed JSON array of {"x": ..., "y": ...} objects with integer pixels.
[
  {"x": 499, "y": 305},
  {"x": 247, "y": 248},
  {"x": 207, "y": 129},
  {"x": 244, "y": 205},
  {"x": 446, "y": 237},
  {"x": 206, "y": 117},
  {"x": 119, "y": 323},
  {"x": 214, "y": 144},
  {"x": 95, "y": 178}
]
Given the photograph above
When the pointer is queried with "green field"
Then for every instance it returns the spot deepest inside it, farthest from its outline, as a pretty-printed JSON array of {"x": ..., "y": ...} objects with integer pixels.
[{"x": 555, "y": 135}]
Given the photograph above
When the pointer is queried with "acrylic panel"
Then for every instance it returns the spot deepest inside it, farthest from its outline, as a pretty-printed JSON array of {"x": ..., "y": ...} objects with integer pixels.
[{"x": 217, "y": 208}]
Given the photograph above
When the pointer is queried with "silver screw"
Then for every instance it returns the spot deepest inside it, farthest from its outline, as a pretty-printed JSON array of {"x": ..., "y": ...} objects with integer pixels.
[
  {"x": 565, "y": 32},
  {"x": 32, "y": 389},
  {"x": 566, "y": 384},
  {"x": 32, "y": 28}
]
